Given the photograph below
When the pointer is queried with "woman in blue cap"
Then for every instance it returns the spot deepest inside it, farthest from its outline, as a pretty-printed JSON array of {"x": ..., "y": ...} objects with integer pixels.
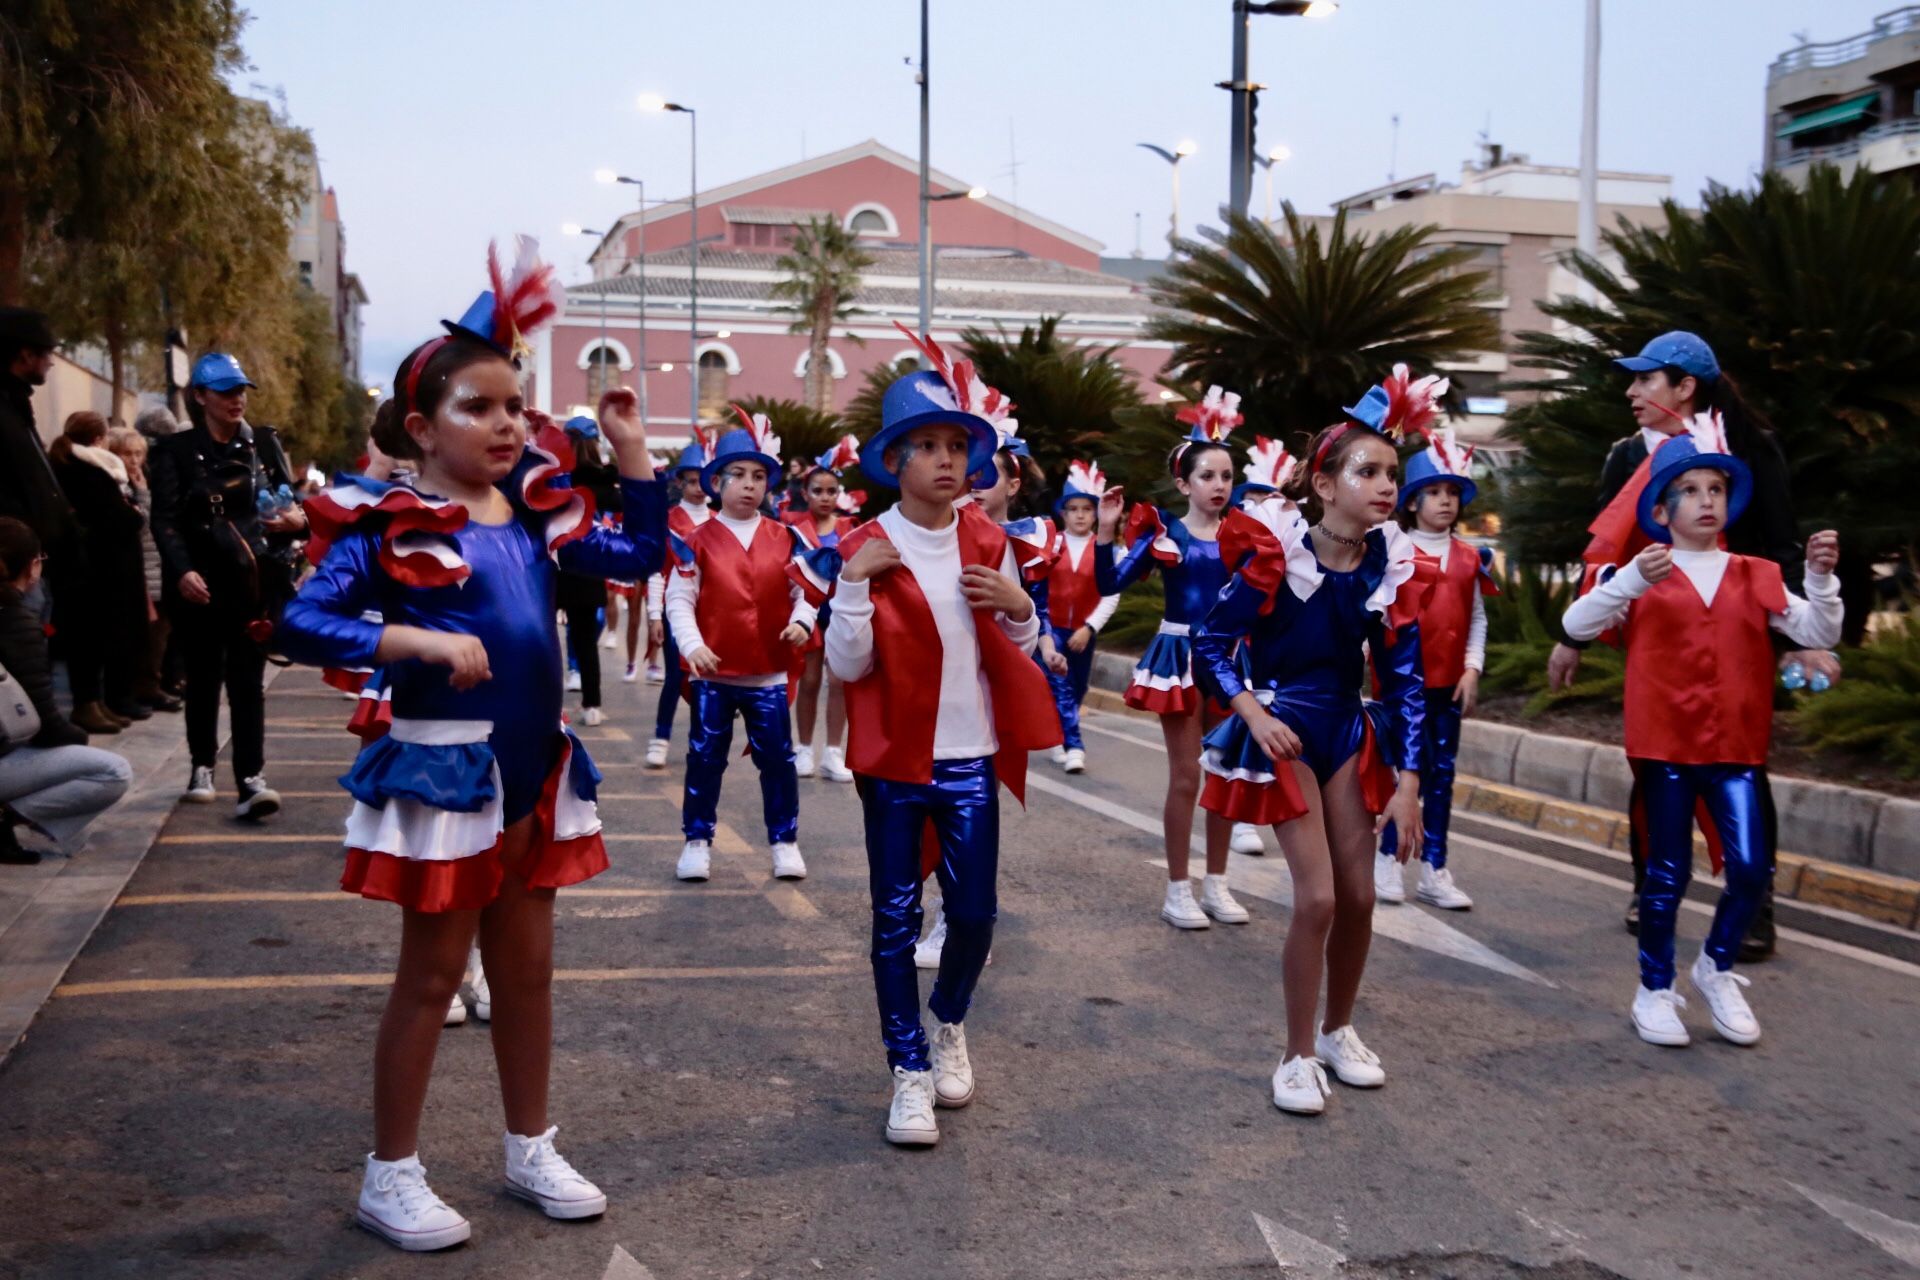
[
  {"x": 225, "y": 561},
  {"x": 1675, "y": 376},
  {"x": 683, "y": 517}
]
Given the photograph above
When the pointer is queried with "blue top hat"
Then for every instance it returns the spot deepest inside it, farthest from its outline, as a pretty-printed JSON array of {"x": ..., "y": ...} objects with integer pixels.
[
  {"x": 923, "y": 399},
  {"x": 1429, "y": 466},
  {"x": 218, "y": 371},
  {"x": 692, "y": 458},
  {"x": 476, "y": 322},
  {"x": 1371, "y": 409},
  {"x": 1684, "y": 452},
  {"x": 1240, "y": 491},
  {"x": 737, "y": 445},
  {"x": 1084, "y": 480},
  {"x": 1687, "y": 352}
]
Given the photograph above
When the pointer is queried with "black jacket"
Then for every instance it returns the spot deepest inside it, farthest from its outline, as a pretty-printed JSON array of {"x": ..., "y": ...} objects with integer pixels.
[
  {"x": 28, "y": 490},
  {"x": 1767, "y": 529},
  {"x": 204, "y": 518},
  {"x": 110, "y": 531},
  {"x": 23, "y": 652}
]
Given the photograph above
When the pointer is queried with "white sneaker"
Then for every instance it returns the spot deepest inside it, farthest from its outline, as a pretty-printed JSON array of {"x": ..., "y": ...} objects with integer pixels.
[
  {"x": 541, "y": 1176},
  {"x": 1721, "y": 987},
  {"x": 1058, "y": 755},
  {"x": 657, "y": 753},
  {"x": 573, "y": 682},
  {"x": 803, "y": 762},
  {"x": 609, "y": 638},
  {"x": 1217, "y": 900},
  {"x": 787, "y": 862},
  {"x": 926, "y": 954},
  {"x": 257, "y": 799},
  {"x": 1180, "y": 910},
  {"x": 1076, "y": 761},
  {"x": 952, "y": 1071},
  {"x": 1656, "y": 1017},
  {"x": 482, "y": 994},
  {"x": 1300, "y": 1086},
  {"x": 592, "y": 717},
  {"x": 656, "y": 674},
  {"x": 1389, "y": 879},
  {"x": 1351, "y": 1062},
  {"x": 456, "y": 1012},
  {"x": 631, "y": 674},
  {"x": 1246, "y": 839},
  {"x": 200, "y": 783},
  {"x": 397, "y": 1205},
  {"x": 696, "y": 858},
  {"x": 910, "y": 1121},
  {"x": 833, "y": 763},
  {"x": 1438, "y": 889}
]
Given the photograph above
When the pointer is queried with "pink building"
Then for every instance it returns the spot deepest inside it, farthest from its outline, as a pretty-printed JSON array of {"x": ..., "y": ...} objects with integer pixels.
[{"x": 994, "y": 265}]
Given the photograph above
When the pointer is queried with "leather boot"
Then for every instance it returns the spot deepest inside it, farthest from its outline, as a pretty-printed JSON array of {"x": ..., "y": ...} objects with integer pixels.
[
  {"x": 1633, "y": 915},
  {"x": 1759, "y": 943},
  {"x": 95, "y": 718}
]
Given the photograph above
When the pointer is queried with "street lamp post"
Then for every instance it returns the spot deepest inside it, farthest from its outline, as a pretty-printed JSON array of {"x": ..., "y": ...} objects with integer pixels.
[
  {"x": 1267, "y": 161},
  {"x": 600, "y": 356},
  {"x": 927, "y": 270},
  {"x": 1181, "y": 150},
  {"x": 640, "y": 253},
  {"x": 926, "y": 241},
  {"x": 1240, "y": 140},
  {"x": 653, "y": 102}
]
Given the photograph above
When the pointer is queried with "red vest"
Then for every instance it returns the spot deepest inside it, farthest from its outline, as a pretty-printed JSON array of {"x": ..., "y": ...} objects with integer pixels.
[
  {"x": 803, "y": 521},
  {"x": 1447, "y": 614},
  {"x": 1700, "y": 680},
  {"x": 680, "y": 524},
  {"x": 745, "y": 598},
  {"x": 1072, "y": 595},
  {"x": 892, "y": 710}
]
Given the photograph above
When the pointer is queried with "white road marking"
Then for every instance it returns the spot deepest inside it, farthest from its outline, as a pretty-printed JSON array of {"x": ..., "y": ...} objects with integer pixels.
[
  {"x": 624, "y": 1266},
  {"x": 1267, "y": 878},
  {"x": 1297, "y": 1254},
  {"x": 1891, "y": 964},
  {"x": 1134, "y": 738},
  {"x": 1901, "y": 1239}
]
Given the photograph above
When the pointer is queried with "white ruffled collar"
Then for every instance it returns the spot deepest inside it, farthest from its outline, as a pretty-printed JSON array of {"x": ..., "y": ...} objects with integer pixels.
[{"x": 1304, "y": 574}]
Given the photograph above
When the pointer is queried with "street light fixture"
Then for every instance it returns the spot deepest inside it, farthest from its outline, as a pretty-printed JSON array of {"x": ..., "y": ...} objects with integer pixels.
[
  {"x": 1275, "y": 155},
  {"x": 1240, "y": 141},
  {"x": 654, "y": 102},
  {"x": 613, "y": 177},
  {"x": 600, "y": 353},
  {"x": 930, "y": 262},
  {"x": 1181, "y": 150}
]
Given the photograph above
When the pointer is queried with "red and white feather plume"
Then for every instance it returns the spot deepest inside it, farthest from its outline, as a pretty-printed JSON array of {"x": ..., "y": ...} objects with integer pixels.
[
  {"x": 1086, "y": 478},
  {"x": 850, "y": 501},
  {"x": 760, "y": 427},
  {"x": 845, "y": 452},
  {"x": 1708, "y": 432},
  {"x": 1269, "y": 463},
  {"x": 525, "y": 301},
  {"x": 1448, "y": 454},
  {"x": 970, "y": 394},
  {"x": 1413, "y": 405},
  {"x": 1215, "y": 417}
]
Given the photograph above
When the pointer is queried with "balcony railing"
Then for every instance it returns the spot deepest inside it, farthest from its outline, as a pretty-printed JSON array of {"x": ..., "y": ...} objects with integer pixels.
[
  {"x": 1852, "y": 146},
  {"x": 1835, "y": 52}
]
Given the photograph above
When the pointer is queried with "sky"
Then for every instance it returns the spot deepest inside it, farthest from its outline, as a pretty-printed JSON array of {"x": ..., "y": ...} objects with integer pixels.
[{"x": 444, "y": 125}]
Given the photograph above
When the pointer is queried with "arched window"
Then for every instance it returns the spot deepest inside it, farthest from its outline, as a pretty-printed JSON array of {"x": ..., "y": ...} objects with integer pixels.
[
  {"x": 714, "y": 380},
  {"x": 603, "y": 372},
  {"x": 835, "y": 365},
  {"x": 872, "y": 220}
]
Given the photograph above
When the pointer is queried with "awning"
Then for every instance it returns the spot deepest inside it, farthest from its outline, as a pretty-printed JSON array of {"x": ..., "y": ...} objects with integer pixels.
[{"x": 1826, "y": 117}]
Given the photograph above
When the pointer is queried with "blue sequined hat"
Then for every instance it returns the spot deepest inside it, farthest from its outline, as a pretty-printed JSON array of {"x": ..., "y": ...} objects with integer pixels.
[
  {"x": 1702, "y": 444},
  {"x": 753, "y": 442}
]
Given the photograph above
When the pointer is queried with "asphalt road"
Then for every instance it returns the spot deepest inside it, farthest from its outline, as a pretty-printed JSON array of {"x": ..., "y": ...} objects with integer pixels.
[{"x": 194, "y": 1100}]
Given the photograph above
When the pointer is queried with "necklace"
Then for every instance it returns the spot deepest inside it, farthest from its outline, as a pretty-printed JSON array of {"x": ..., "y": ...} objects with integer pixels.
[{"x": 1354, "y": 543}]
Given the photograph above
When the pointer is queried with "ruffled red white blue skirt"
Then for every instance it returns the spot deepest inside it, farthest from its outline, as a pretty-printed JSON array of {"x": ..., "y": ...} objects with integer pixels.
[
  {"x": 1163, "y": 678},
  {"x": 1241, "y": 783},
  {"x": 427, "y": 823}
]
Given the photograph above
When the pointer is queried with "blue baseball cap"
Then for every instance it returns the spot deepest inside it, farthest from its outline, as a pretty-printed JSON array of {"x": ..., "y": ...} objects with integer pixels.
[
  {"x": 218, "y": 371},
  {"x": 1687, "y": 352},
  {"x": 580, "y": 424}
]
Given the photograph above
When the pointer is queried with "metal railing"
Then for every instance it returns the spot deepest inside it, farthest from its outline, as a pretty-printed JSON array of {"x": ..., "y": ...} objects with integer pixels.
[
  {"x": 1852, "y": 146},
  {"x": 1835, "y": 52}
]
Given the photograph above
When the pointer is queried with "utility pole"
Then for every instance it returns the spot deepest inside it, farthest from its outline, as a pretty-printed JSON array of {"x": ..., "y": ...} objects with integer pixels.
[
  {"x": 1588, "y": 233},
  {"x": 926, "y": 242}
]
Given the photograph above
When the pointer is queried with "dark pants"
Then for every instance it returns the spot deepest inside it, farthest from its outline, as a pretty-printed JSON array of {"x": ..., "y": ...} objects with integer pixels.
[
  {"x": 1069, "y": 690},
  {"x": 583, "y": 643},
  {"x": 217, "y": 650},
  {"x": 1671, "y": 793},
  {"x": 964, "y": 810},
  {"x": 670, "y": 688},
  {"x": 1440, "y": 747}
]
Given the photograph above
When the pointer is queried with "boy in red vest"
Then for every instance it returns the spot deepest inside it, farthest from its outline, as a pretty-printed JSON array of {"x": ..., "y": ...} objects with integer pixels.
[
  {"x": 1075, "y": 608},
  {"x": 1699, "y": 706},
  {"x": 739, "y": 619},
  {"x": 933, "y": 635},
  {"x": 1453, "y": 648}
]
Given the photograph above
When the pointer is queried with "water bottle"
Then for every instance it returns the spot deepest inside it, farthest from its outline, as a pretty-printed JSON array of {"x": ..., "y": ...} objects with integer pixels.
[
  {"x": 1820, "y": 682},
  {"x": 1794, "y": 676}
]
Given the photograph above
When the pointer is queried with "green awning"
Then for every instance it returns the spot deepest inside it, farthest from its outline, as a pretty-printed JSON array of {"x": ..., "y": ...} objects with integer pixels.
[{"x": 1828, "y": 116}]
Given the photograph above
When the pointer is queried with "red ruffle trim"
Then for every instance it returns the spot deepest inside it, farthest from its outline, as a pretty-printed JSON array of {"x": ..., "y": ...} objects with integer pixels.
[
  {"x": 343, "y": 680},
  {"x": 1377, "y": 778},
  {"x": 372, "y": 718},
  {"x": 1163, "y": 702},
  {"x": 1145, "y": 521},
  {"x": 1264, "y": 804}
]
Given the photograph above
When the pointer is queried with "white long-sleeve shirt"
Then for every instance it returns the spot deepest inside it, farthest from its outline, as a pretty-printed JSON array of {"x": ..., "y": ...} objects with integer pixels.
[
  {"x": 1439, "y": 545},
  {"x": 683, "y": 594},
  {"x": 699, "y": 513},
  {"x": 1812, "y": 623},
  {"x": 964, "y": 728},
  {"x": 1076, "y": 551}
]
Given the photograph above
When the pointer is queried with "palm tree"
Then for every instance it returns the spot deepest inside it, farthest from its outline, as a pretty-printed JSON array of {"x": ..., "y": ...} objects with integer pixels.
[
  {"x": 1301, "y": 324},
  {"x": 822, "y": 267},
  {"x": 1065, "y": 396},
  {"x": 1810, "y": 297}
]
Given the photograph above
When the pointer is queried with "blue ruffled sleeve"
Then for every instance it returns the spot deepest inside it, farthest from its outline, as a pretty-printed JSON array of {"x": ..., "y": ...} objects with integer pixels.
[
  {"x": 1402, "y": 689},
  {"x": 632, "y": 551},
  {"x": 1233, "y": 615},
  {"x": 322, "y": 626},
  {"x": 1113, "y": 573}
]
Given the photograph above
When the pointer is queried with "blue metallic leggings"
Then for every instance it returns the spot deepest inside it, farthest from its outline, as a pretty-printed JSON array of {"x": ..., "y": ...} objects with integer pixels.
[
  {"x": 1440, "y": 734},
  {"x": 1069, "y": 690},
  {"x": 964, "y": 811},
  {"x": 670, "y": 688},
  {"x": 710, "y": 739},
  {"x": 1671, "y": 793}
]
